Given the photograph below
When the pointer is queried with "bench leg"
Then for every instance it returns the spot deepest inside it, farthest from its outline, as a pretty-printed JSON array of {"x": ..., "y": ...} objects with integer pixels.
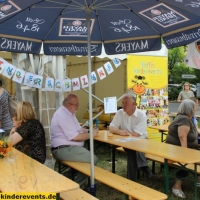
[
  {"x": 93, "y": 190},
  {"x": 195, "y": 181},
  {"x": 57, "y": 196},
  {"x": 166, "y": 177},
  {"x": 153, "y": 166}
]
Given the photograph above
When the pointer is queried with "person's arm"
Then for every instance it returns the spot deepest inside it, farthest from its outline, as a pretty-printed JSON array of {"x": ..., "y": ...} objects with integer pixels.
[
  {"x": 182, "y": 134},
  {"x": 116, "y": 124},
  {"x": 198, "y": 130},
  {"x": 16, "y": 138},
  {"x": 85, "y": 136},
  {"x": 134, "y": 133},
  {"x": 0, "y": 114},
  {"x": 12, "y": 131},
  {"x": 179, "y": 98},
  {"x": 118, "y": 131}
]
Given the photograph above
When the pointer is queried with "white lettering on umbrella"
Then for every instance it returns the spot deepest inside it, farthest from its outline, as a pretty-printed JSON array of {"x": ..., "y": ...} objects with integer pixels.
[
  {"x": 75, "y": 29},
  {"x": 34, "y": 24},
  {"x": 127, "y": 26},
  {"x": 193, "y": 4},
  {"x": 129, "y": 46},
  {"x": 72, "y": 48},
  {"x": 35, "y": 21},
  {"x": 25, "y": 28},
  {"x": 2, "y": 14},
  {"x": 15, "y": 45},
  {"x": 183, "y": 37}
]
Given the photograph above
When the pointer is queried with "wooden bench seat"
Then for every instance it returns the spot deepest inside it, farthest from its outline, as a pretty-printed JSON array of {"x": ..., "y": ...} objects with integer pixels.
[
  {"x": 77, "y": 194},
  {"x": 161, "y": 160},
  {"x": 117, "y": 182}
]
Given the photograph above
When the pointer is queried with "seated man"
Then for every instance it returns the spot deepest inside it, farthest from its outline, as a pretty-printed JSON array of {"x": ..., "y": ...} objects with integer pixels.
[
  {"x": 67, "y": 136},
  {"x": 133, "y": 122}
]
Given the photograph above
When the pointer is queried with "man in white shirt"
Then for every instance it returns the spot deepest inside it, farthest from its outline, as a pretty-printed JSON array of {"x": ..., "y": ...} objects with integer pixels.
[{"x": 131, "y": 121}]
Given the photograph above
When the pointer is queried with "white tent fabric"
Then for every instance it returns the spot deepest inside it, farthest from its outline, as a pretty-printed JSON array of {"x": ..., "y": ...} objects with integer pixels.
[{"x": 192, "y": 58}]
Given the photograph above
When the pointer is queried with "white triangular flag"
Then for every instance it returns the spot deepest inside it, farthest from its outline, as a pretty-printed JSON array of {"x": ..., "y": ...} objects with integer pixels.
[
  {"x": 67, "y": 85},
  {"x": 84, "y": 81},
  {"x": 76, "y": 84},
  {"x": 49, "y": 84},
  {"x": 101, "y": 73},
  {"x": 19, "y": 75}
]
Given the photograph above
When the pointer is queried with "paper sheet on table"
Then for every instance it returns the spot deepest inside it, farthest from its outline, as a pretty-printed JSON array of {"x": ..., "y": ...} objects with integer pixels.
[
  {"x": 110, "y": 105},
  {"x": 1, "y": 130},
  {"x": 127, "y": 139}
]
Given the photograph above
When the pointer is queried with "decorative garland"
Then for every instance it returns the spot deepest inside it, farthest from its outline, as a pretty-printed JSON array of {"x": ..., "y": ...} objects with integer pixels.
[{"x": 58, "y": 85}]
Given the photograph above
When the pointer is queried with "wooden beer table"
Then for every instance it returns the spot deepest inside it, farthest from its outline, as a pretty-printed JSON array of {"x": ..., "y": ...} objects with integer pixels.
[
  {"x": 162, "y": 129},
  {"x": 170, "y": 153},
  {"x": 27, "y": 175}
]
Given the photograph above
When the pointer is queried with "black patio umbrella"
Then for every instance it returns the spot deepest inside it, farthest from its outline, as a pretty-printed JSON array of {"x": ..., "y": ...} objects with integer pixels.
[{"x": 80, "y": 27}]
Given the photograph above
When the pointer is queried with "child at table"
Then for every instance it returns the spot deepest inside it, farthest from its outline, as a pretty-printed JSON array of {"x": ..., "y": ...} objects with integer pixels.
[{"x": 16, "y": 124}]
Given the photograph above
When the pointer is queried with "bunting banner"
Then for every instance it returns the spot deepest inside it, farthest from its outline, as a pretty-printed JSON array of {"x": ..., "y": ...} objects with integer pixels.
[{"x": 58, "y": 85}]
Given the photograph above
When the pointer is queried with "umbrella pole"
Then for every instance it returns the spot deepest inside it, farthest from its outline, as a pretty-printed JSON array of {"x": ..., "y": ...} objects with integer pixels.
[{"x": 92, "y": 184}]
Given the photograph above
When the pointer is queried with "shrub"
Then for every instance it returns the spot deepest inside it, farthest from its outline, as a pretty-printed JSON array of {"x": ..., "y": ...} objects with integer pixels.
[{"x": 173, "y": 93}]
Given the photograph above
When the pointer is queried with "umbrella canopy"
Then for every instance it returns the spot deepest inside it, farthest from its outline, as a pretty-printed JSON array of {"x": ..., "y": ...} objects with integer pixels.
[
  {"x": 80, "y": 27},
  {"x": 122, "y": 26}
]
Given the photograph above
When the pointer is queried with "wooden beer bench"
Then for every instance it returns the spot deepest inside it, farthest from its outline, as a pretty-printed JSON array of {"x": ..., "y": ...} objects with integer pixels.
[
  {"x": 77, "y": 194},
  {"x": 117, "y": 182}
]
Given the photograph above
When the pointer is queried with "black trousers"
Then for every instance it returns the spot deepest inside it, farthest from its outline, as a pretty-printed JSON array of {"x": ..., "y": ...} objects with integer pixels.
[{"x": 135, "y": 160}]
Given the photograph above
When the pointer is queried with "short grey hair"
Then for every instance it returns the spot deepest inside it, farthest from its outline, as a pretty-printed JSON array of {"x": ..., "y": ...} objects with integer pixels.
[
  {"x": 186, "y": 107},
  {"x": 68, "y": 99},
  {"x": 130, "y": 96}
]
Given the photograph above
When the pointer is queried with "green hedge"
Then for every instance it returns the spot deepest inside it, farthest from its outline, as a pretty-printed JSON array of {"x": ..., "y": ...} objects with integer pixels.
[{"x": 173, "y": 93}]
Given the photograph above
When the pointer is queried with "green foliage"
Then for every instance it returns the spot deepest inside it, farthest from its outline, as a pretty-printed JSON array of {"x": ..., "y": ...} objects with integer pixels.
[
  {"x": 174, "y": 92},
  {"x": 177, "y": 67}
]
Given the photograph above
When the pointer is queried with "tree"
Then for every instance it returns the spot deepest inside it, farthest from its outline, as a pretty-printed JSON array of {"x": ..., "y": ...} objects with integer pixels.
[
  {"x": 177, "y": 66},
  {"x": 175, "y": 58}
]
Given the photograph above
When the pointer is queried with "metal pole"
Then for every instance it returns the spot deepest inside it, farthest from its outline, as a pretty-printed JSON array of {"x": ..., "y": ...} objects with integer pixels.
[{"x": 92, "y": 185}]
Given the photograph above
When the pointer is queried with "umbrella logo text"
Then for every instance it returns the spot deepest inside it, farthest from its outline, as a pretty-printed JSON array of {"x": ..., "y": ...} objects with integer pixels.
[
  {"x": 8, "y": 8},
  {"x": 167, "y": 17},
  {"x": 15, "y": 45},
  {"x": 128, "y": 26},
  {"x": 74, "y": 27}
]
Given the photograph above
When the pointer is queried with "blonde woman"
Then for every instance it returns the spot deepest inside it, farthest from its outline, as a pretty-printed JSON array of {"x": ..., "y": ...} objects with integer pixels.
[
  {"x": 30, "y": 136},
  {"x": 186, "y": 93}
]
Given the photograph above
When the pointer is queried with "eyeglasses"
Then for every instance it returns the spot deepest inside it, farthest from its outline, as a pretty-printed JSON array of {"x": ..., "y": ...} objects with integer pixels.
[{"x": 77, "y": 104}]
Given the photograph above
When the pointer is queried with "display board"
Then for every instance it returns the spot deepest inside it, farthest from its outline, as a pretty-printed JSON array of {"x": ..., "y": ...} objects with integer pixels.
[{"x": 147, "y": 79}]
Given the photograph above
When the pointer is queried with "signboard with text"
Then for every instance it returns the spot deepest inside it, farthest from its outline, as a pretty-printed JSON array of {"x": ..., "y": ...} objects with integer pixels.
[
  {"x": 147, "y": 78},
  {"x": 190, "y": 76}
]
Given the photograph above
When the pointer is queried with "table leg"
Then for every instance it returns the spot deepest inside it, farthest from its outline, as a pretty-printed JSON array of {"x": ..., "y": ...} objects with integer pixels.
[
  {"x": 57, "y": 196},
  {"x": 195, "y": 181},
  {"x": 162, "y": 136},
  {"x": 113, "y": 158},
  {"x": 166, "y": 177}
]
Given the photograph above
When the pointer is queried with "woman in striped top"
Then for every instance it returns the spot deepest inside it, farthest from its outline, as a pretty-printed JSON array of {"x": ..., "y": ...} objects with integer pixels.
[{"x": 5, "y": 119}]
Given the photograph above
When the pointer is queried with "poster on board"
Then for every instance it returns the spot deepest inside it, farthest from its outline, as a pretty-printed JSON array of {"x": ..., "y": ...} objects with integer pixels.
[{"x": 147, "y": 79}]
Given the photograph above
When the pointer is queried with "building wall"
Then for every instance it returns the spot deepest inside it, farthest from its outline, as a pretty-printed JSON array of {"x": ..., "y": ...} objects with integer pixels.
[{"x": 113, "y": 85}]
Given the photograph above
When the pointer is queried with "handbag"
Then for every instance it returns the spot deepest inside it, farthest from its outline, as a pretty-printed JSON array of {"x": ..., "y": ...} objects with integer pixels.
[{"x": 12, "y": 103}]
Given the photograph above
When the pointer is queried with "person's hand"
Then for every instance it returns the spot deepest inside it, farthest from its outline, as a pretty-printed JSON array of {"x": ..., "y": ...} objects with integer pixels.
[
  {"x": 124, "y": 132},
  {"x": 95, "y": 132}
]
